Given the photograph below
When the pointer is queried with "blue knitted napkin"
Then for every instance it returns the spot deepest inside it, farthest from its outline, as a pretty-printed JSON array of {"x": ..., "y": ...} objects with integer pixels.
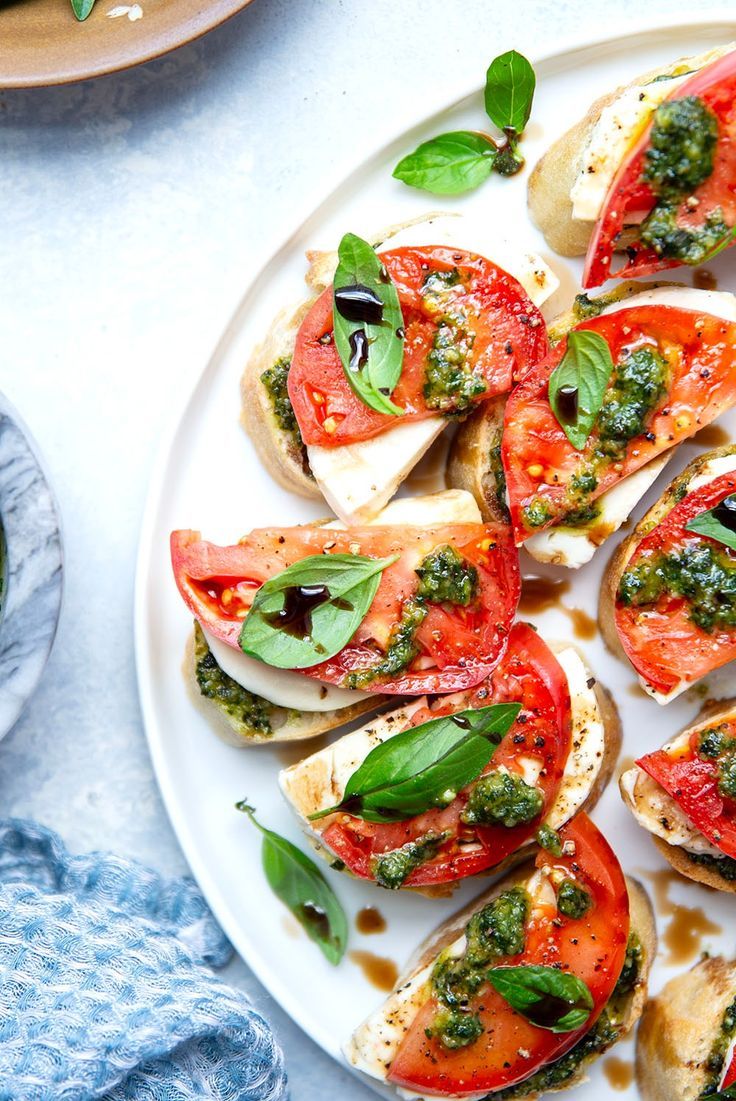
[{"x": 103, "y": 988}]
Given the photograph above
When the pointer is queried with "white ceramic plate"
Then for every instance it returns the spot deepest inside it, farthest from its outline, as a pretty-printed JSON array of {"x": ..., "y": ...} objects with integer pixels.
[{"x": 210, "y": 478}]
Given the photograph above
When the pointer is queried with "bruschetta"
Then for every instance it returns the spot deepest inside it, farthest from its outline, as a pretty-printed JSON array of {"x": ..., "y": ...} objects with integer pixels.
[
  {"x": 646, "y": 180},
  {"x": 685, "y": 795},
  {"x": 668, "y": 596},
  {"x": 554, "y": 760},
  {"x": 671, "y": 373},
  {"x": 519, "y": 992},
  {"x": 420, "y": 601},
  {"x": 471, "y": 326},
  {"x": 685, "y": 1045}
]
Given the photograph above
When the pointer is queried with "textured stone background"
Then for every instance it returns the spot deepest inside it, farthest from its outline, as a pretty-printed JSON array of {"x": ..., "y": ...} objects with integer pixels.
[{"x": 134, "y": 208}]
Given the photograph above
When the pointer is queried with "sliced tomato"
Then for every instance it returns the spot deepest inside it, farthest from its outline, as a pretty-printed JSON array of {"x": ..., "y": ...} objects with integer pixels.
[
  {"x": 693, "y": 784},
  {"x": 528, "y": 674},
  {"x": 730, "y": 1076},
  {"x": 630, "y": 196},
  {"x": 540, "y": 462},
  {"x": 511, "y": 1048},
  {"x": 660, "y": 640},
  {"x": 501, "y": 333},
  {"x": 458, "y": 647}
]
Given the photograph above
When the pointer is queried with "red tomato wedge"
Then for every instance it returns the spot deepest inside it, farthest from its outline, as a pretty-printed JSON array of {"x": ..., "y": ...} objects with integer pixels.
[
  {"x": 541, "y": 465},
  {"x": 511, "y": 1048},
  {"x": 693, "y": 783},
  {"x": 730, "y": 1076},
  {"x": 493, "y": 323},
  {"x": 660, "y": 639},
  {"x": 529, "y": 674},
  {"x": 458, "y": 646},
  {"x": 630, "y": 193}
]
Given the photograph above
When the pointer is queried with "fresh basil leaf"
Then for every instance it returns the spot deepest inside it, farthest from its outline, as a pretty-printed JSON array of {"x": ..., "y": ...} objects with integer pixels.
[
  {"x": 82, "y": 8},
  {"x": 717, "y": 523},
  {"x": 299, "y": 884},
  {"x": 449, "y": 164},
  {"x": 510, "y": 83},
  {"x": 372, "y": 354},
  {"x": 578, "y": 383},
  {"x": 555, "y": 1000},
  {"x": 309, "y": 611},
  {"x": 424, "y": 766}
]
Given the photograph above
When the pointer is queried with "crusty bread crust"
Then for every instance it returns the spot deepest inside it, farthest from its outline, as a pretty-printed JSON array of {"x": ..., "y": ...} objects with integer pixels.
[
  {"x": 625, "y": 550},
  {"x": 469, "y": 466},
  {"x": 678, "y": 1030},
  {"x": 287, "y": 726},
  {"x": 642, "y": 923}
]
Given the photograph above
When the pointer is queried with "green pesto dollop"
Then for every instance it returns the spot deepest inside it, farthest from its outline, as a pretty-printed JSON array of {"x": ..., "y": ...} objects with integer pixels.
[
  {"x": 716, "y": 744},
  {"x": 536, "y": 513},
  {"x": 682, "y": 145},
  {"x": 661, "y": 232},
  {"x": 549, "y": 839},
  {"x": 502, "y": 799},
  {"x": 704, "y": 575},
  {"x": 573, "y": 900},
  {"x": 275, "y": 380},
  {"x": 498, "y": 476},
  {"x": 724, "y": 866},
  {"x": 446, "y": 577},
  {"x": 451, "y": 383},
  {"x": 495, "y": 931},
  {"x": 391, "y": 869},
  {"x": 637, "y": 386},
  {"x": 717, "y": 1056},
  {"x": 248, "y": 713}
]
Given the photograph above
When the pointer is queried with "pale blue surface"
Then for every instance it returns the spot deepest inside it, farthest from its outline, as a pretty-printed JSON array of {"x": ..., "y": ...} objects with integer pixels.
[{"x": 135, "y": 208}]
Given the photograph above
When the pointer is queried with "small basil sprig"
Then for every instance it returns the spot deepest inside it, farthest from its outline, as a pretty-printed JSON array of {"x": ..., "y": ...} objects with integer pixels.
[
  {"x": 371, "y": 346},
  {"x": 578, "y": 383},
  {"x": 299, "y": 884},
  {"x": 310, "y": 611},
  {"x": 424, "y": 766},
  {"x": 717, "y": 523},
  {"x": 462, "y": 159},
  {"x": 551, "y": 999},
  {"x": 82, "y": 8}
]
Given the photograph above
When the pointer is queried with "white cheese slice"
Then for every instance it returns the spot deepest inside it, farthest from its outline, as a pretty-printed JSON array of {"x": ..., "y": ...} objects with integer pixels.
[
  {"x": 724, "y": 464},
  {"x": 358, "y": 479},
  {"x": 657, "y": 812},
  {"x": 619, "y": 126},
  {"x": 318, "y": 782},
  {"x": 293, "y": 690},
  {"x": 574, "y": 546},
  {"x": 373, "y": 1045}
]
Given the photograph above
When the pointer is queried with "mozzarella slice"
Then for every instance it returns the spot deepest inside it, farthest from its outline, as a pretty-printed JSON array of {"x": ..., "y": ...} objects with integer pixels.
[
  {"x": 619, "y": 126},
  {"x": 358, "y": 479},
  {"x": 318, "y": 782},
  {"x": 287, "y": 688},
  {"x": 574, "y": 546},
  {"x": 657, "y": 812}
]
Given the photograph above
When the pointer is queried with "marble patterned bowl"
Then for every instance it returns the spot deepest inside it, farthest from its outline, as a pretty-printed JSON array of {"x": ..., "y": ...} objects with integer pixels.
[{"x": 31, "y": 567}]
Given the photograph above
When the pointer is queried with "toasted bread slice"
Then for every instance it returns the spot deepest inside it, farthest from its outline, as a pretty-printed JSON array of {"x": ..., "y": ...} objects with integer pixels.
[
  {"x": 621, "y": 1014},
  {"x": 240, "y": 717},
  {"x": 680, "y": 1049},
  {"x": 674, "y": 835},
  {"x": 319, "y": 781},
  {"x": 552, "y": 180},
  {"x": 626, "y": 549}
]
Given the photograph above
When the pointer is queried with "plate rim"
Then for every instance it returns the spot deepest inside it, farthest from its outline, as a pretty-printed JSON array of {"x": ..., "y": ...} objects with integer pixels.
[{"x": 234, "y": 927}]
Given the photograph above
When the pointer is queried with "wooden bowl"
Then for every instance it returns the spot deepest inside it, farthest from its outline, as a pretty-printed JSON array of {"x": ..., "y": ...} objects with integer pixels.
[{"x": 43, "y": 43}]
